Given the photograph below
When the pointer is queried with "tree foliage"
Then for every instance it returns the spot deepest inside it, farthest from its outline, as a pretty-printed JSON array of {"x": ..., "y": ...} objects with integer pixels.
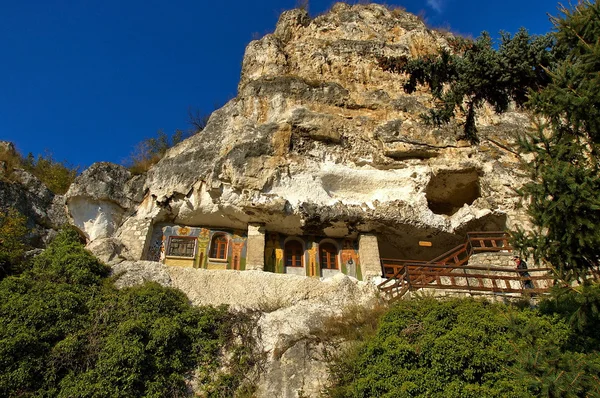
[
  {"x": 148, "y": 152},
  {"x": 13, "y": 232},
  {"x": 57, "y": 176},
  {"x": 557, "y": 77},
  {"x": 580, "y": 308},
  {"x": 564, "y": 204},
  {"x": 472, "y": 72},
  {"x": 67, "y": 332},
  {"x": 466, "y": 348}
]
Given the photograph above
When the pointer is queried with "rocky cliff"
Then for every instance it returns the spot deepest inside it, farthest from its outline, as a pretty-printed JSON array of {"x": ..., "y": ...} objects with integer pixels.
[
  {"x": 21, "y": 190},
  {"x": 320, "y": 140}
]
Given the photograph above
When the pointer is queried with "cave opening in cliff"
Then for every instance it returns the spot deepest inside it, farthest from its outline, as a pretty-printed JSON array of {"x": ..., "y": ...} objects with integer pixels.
[{"x": 449, "y": 190}]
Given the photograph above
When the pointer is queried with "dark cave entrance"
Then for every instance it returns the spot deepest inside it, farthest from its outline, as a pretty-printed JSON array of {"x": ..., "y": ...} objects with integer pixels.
[{"x": 449, "y": 190}]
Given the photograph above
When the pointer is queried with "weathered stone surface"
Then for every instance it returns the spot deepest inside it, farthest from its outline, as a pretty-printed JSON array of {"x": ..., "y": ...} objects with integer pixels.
[
  {"x": 255, "y": 257},
  {"x": 133, "y": 273},
  {"x": 109, "y": 250},
  {"x": 294, "y": 309},
  {"x": 101, "y": 196},
  {"x": 108, "y": 182},
  {"x": 319, "y": 141},
  {"x": 7, "y": 147},
  {"x": 370, "y": 261}
]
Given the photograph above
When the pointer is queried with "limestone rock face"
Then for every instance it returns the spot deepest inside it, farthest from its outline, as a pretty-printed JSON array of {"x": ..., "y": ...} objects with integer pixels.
[
  {"x": 101, "y": 196},
  {"x": 133, "y": 273},
  {"x": 321, "y": 141}
]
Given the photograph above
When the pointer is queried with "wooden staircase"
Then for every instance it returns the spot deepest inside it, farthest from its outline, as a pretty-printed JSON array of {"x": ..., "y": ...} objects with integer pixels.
[{"x": 450, "y": 271}]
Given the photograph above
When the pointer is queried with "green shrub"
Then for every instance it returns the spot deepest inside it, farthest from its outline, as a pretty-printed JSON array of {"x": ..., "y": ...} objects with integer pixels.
[
  {"x": 67, "y": 332},
  {"x": 580, "y": 308},
  {"x": 57, "y": 176},
  {"x": 563, "y": 159},
  {"x": 465, "y": 348},
  {"x": 65, "y": 260},
  {"x": 13, "y": 233},
  {"x": 148, "y": 152},
  {"x": 473, "y": 72}
]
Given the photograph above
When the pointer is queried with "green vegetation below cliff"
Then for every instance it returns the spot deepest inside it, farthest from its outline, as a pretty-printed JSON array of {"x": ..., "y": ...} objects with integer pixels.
[
  {"x": 68, "y": 332},
  {"x": 468, "y": 348}
]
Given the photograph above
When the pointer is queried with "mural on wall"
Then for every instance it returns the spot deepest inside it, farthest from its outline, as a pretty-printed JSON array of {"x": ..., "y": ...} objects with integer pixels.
[
  {"x": 203, "y": 241},
  {"x": 195, "y": 247},
  {"x": 190, "y": 246},
  {"x": 349, "y": 256},
  {"x": 156, "y": 249},
  {"x": 238, "y": 253},
  {"x": 275, "y": 243},
  {"x": 273, "y": 253},
  {"x": 312, "y": 254}
]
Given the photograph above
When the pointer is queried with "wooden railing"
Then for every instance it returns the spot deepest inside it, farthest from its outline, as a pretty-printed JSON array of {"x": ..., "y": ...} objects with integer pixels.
[
  {"x": 482, "y": 278},
  {"x": 476, "y": 242},
  {"x": 472, "y": 278},
  {"x": 397, "y": 285}
]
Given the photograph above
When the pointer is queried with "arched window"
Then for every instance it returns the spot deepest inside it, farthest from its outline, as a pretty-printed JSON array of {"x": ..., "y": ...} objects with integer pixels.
[
  {"x": 218, "y": 247},
  {"x": 328, "y": 257},
  {"x": 293, "y": 254}
]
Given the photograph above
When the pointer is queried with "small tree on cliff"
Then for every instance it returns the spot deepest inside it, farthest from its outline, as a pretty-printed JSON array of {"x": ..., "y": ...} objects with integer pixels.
[
  {"x": 472, "y": 73},
  {"x": 148, "y": 152},
  {"x": 564, "y": 194}
]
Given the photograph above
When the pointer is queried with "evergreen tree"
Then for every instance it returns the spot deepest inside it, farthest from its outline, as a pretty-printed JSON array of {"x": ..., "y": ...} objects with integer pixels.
[
  {"x": 471, "y": 73},
  {"x": 564, "y": 195}
]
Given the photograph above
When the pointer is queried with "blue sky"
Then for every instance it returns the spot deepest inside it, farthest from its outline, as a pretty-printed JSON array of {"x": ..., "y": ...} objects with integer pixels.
[{"x": 88, "y": 79}]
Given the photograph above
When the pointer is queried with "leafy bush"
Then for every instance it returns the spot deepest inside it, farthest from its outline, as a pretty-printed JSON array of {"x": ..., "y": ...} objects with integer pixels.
[
  {"x": 13, "y": 231},
  {"x": 148, "y": 152},
  {"x": 465, "y": 348},
  {"x": 580, "y": 308},
  {"x": 67, "y": 261},
  {"x": 564, "y": 205},
  {"x": 66, "y": 331},
  {"x": 57, "y": 176}
]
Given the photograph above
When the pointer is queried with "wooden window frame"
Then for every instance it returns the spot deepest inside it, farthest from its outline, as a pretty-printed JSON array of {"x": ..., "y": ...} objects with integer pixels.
[
  {"x": 211, "y": 248},
  {"x": 171, "y": 238},
  {"x": 325, "y": 264},
  {"x": 301, "y": 256}
]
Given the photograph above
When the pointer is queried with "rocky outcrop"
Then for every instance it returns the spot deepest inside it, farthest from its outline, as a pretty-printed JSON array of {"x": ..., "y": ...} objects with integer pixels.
[
  {"x": 322, "y": 141},
  {"x": 21, "y": 190},
  {"x": 133, "y": 273},
  {"x": 101, "y": 197}
]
